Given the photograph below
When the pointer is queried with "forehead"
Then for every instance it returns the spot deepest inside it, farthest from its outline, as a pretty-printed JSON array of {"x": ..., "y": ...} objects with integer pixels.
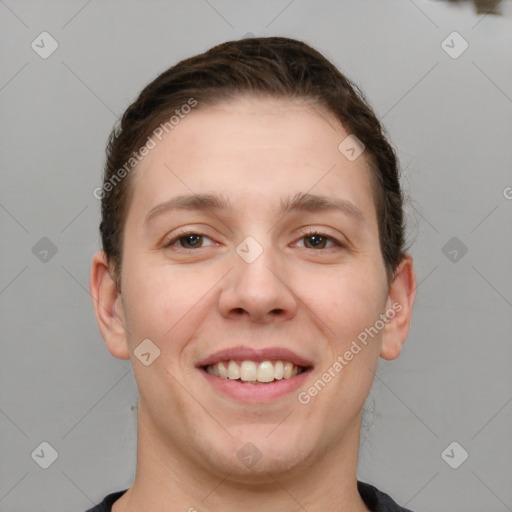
[
  {"x": 265, "y": 127},
  {"x": 253, "y": 150}
]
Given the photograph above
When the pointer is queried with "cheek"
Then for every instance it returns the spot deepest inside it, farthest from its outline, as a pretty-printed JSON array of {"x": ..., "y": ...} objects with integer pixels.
[
  {"x": 347, "y": 300},
  {"x": 162, "y": 299},
  {"x": 349, "y": 306}
]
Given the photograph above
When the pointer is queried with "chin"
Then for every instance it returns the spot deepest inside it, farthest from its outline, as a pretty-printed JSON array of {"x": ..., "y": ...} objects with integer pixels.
[{"x": 254, "y": 453}]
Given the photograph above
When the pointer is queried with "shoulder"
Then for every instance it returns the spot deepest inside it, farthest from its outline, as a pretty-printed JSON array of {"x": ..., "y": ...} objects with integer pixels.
[
  {"x": 378, "y": 501},
  {"x": 375, "y": 500},
  {"x": 106, "y": 504}
]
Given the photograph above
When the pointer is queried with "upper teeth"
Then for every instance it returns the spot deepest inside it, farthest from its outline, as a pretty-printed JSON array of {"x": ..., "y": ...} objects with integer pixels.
[{"x": 250, "y": 371}]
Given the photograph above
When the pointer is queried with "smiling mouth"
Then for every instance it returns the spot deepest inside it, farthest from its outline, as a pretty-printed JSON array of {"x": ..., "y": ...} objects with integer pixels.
[{"x": 252, "y": 372}]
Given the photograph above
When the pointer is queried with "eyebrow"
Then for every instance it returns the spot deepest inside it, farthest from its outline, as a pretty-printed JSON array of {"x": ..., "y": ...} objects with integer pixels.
[{"x": 299, "y": 203}]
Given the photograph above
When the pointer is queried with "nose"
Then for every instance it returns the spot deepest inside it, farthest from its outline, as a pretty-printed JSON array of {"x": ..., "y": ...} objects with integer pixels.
[{"x": 261, "y": 290}]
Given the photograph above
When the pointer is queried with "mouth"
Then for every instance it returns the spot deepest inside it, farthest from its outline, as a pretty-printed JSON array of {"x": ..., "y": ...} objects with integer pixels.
[
  {"x": 250, "y": 376},
  {"x": 254, "y": 372}
]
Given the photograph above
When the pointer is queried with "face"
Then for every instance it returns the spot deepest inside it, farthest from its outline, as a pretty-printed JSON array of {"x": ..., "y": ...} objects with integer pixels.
[{"x": 258, "y": 271}]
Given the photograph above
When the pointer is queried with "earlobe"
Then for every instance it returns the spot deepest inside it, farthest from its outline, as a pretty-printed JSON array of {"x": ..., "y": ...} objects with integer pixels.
[
  {"x": 402, "y": 293},
  {"x": 108, "y": 308}
]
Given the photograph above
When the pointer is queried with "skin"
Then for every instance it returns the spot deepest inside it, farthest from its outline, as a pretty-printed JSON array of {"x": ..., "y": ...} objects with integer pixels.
[{"x": 314, "y": 300}]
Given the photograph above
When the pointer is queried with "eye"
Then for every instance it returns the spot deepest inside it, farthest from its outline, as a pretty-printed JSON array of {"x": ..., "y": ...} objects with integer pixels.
[
  {"x": 318, "y": 240},
  {"x": 191, "y": 240},
  {"x": 188, "y": 240}
]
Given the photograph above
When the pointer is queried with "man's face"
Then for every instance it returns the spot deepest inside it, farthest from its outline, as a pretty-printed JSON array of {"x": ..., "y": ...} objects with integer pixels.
[{"x": 257, "y": 283}]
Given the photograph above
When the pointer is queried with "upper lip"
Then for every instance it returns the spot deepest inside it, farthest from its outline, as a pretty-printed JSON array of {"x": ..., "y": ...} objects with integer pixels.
[{"x": 256, "y": 355}]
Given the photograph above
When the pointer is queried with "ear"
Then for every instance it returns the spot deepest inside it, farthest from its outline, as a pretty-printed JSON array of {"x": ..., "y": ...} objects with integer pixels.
[
  {"x": 402, "y": 293},
  {"x": 108, "y": 307}
]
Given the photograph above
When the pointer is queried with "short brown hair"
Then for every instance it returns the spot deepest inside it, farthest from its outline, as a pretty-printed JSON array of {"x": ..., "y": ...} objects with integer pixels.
[{"x": 270, "y": 66}]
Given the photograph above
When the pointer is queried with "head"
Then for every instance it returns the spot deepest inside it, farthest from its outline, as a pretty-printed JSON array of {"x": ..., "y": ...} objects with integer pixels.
[
  {"x": 257, "y": 131},
  {"x": 272, "y": 67}
]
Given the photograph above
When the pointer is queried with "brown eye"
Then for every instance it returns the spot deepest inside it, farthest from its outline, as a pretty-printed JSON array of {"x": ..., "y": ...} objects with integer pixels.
[
  {"x": 187, "y": 241},
  {"x": 317, "y": 240},
  {"x": 193, "y": 240}
]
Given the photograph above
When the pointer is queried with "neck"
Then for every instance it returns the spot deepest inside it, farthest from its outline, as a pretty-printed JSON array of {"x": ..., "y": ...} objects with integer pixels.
[{"x": 166, "y": 479}]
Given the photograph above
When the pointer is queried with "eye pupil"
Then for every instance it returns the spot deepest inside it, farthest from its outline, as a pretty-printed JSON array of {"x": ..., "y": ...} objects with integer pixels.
[
  {"x": 192, "y": 239},
  {"x": 317, "y": 239}
]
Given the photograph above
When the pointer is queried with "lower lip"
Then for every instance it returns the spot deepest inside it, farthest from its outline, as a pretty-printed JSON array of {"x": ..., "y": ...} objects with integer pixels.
[{"x": 258, "y": 392}]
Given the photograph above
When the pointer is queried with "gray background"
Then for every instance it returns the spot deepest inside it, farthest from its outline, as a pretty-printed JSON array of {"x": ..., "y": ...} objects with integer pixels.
[{"x": 450, "y": 120}]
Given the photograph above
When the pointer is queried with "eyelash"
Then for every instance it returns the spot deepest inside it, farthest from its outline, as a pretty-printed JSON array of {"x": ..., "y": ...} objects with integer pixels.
[{"x": 309, "y": 233}]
